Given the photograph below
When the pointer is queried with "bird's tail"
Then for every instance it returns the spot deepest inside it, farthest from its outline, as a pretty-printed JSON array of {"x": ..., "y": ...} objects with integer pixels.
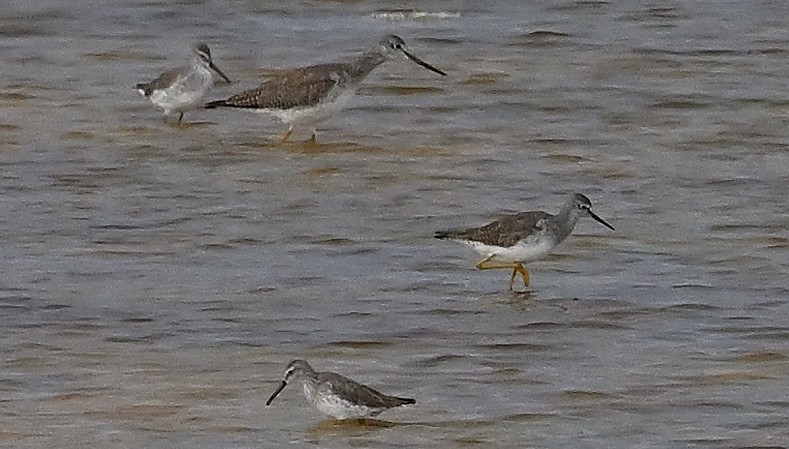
[
  {"x": 402, "y": 401},
  {"x": 444, "y": 235},
  {"x": 215, "y": 104},
  {"x": 144, "y": 89}
]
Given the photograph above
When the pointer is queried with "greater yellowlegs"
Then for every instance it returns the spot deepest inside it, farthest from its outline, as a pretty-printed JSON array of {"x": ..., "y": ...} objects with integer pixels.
[
  {"x": 336, "y": 395},
  {"x": 517, "y": 239},
  {"x": 182, "y": 88},
  {"x": 308, "y": 95}
]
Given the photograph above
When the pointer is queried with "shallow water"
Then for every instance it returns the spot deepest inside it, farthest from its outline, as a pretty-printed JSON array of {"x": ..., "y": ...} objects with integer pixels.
[{"x": 156, "y": 280}]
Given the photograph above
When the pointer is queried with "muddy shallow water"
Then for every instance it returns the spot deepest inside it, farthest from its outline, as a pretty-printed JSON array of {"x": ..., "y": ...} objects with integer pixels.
[{"x": 156, "y": 280}]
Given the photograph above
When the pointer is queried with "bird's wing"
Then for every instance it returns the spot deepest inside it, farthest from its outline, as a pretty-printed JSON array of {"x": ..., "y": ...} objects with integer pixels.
[
  {"x": 287, "y": 88},
  {"x": 504, "y": 232},
  {"x": 350, "y": 389},
  {"x": 166, "y": 79}
]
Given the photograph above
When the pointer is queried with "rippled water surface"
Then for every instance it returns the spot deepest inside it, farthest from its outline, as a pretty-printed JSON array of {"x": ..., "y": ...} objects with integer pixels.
[{"x": 155, "y": 280}]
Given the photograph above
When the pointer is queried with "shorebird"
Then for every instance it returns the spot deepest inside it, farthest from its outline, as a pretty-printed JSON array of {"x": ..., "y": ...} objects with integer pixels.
[
  {"x": 308, "y": 95},
  {"x": 517, "y": 239},
  {"x": 336, "y": 395},
  {"x": 182, "y": 88}
]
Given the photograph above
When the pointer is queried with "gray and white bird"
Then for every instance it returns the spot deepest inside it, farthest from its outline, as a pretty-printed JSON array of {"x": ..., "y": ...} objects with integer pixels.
[
  {"x": 182, "y": 88},
  {"x": 337, "y": 395},
  {"x": 308, "y": 95},
  {"x": 524, "y": 237}
]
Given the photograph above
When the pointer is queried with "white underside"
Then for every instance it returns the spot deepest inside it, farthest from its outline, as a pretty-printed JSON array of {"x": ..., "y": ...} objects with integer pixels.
[
  {"x": 310, "y": 115},
  {"x": 522, "y": 252},
  {"x": 185, "y": 93},
  {"x": 333, "y": 405},
  {"x": 338, "y": 408}
]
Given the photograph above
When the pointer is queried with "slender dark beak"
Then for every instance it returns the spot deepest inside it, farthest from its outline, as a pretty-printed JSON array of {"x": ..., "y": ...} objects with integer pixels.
[
  {"x": 221, "y": 73},
  {"x": 599, "y": 220},
  {"x": 423, "y": 63},
  {"x": 281, "y": 387}
]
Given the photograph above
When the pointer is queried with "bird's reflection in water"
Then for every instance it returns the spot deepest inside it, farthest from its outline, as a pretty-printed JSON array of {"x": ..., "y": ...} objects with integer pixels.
[{"x": 345, "y": 427}]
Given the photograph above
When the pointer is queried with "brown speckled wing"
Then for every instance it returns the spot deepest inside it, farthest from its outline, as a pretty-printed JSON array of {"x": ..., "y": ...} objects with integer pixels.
[
  {"x": 287, "y": 89},
  {"x": 360, "y": 394},
  {"x": 164, "y": 81},
  {"x": 505, "y": 232}
]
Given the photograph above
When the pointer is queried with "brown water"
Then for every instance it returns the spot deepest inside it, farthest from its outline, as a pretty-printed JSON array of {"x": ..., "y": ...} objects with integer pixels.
[{"x": 156, "y": 280}]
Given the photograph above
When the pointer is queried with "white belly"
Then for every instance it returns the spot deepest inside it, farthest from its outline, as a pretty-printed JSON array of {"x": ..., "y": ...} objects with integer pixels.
[
  {"x": 185, "y": 93},
  {"x": 522, "y": 252},
  {"x": 308, "y": 115},
  {"x": 332, "y": 405}
]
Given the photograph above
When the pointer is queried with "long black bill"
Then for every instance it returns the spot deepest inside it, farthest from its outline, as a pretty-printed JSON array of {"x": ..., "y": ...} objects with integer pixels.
[
  {"x": 221, "y": 73},
  {"x": 281, "y": 387},
  {"x": 601, "y": 221},
  {"x": 423, "y": 63}
]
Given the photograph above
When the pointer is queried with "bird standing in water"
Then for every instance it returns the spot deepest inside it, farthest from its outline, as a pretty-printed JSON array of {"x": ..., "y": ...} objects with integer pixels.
[
  {"x": 308, "y": 95},
  {"x": 517, "y": 239},
  {"x": 182, "y": 88},
  {"x": 337, "y": 395}
]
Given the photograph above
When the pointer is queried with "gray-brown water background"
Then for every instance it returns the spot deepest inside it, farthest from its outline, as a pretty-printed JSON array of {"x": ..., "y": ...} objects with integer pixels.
[{"x": 154, "y": 281}]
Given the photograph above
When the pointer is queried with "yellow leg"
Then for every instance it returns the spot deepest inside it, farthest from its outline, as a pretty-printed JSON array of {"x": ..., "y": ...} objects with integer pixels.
[
  {"x": 483, "y": 264},
  {"x": 287, "y": 135},
  {"x": 520, "y": 269},
  {"x": 486, "y": 264}
]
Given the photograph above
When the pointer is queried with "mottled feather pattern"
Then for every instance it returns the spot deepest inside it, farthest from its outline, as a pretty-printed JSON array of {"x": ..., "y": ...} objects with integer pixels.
[
  {"x": 505, "y": 232},
  {"x": 289, "y": 89}
]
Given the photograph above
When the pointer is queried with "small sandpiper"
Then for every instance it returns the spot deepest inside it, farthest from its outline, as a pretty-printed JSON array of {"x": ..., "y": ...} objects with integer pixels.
[
  {"x": 308, "y": 95},
  {"x": 517, "y": 239},
  {"x": 182, "y": 88},
  {"x": 336, "y": 395}
]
